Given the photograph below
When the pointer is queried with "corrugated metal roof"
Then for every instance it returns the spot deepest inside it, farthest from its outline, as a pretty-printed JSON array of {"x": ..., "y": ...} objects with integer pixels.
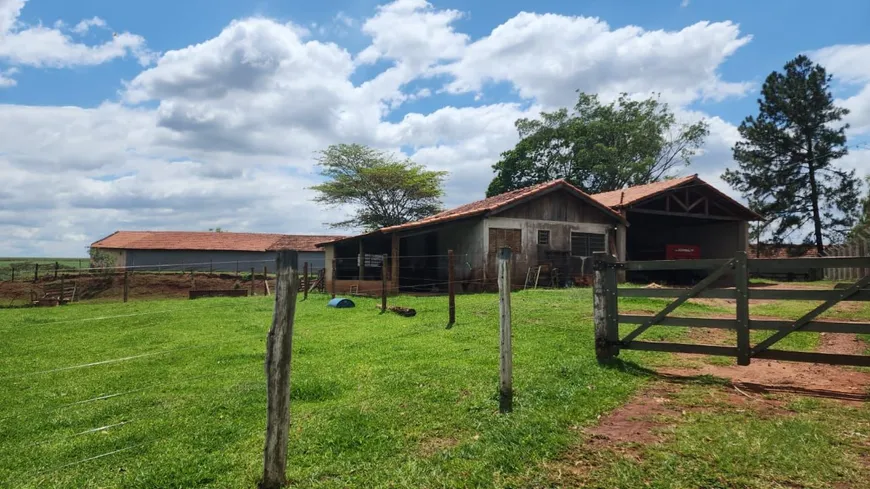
[{"x": 207, "y": 241}]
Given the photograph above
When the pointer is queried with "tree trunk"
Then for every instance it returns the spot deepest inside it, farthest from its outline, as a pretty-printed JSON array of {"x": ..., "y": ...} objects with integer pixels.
[{"x": 814, "y": 197}]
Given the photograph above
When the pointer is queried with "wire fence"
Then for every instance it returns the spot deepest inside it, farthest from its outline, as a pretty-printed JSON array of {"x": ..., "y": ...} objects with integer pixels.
[{"x": 42, "y": 284}]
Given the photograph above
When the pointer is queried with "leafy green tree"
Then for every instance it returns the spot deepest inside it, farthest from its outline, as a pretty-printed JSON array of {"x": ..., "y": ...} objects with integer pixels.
[
  {"x": 599, "y": 147},
  {"x": 384, "y": 190},
  {"x": 786, "y": 159},
  {"x": 101, "y": 259}
]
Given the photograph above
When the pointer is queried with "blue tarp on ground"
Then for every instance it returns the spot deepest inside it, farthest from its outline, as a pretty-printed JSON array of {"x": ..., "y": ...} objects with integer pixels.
[{"x": 341, "y": 302}]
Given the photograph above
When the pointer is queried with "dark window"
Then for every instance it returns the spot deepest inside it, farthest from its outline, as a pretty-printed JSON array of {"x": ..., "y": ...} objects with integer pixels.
[
  {"x": 584, "y": 244},
  {"x": 543, "y": 237}
]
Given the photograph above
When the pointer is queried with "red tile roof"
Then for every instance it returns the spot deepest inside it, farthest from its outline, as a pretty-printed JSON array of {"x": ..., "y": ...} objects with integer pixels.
[
  {"x": 302, "y": 242},
  {"x": 494, "y": 204},
  {"x": 497, "y": 202},
  {"x": 618, "y": 199},
  {"x": 208, "y": 241},
  {"x": 623, "y": 198}
]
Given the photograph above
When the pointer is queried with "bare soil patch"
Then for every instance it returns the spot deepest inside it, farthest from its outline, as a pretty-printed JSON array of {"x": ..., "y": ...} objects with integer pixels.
[
  {"x": 141, "y": 286},
  {"x": 809, "y": 379}
]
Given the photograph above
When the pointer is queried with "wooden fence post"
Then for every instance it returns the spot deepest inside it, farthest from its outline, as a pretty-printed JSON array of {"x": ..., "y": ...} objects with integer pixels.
[
  {"x": 126, "y": 286},
  {"x": 62, "y": 284},
  {"x": 252, "y": 281},
  {"x": 56, "y": 266},
  {"x": 505, "y": 363},
  {"x": 741, "y": 282},
  {"x": 265, "y": 280},
  {"x": 604, "y": 297},
  {"x": 279, "y": 348},
  {"x": 305, "y": 281},
  {"x": 384, "y": 283},
  {"x": 334, "y": 274},
  {"x": 12, "y": 269},
  {"x": 451, "y": 290},
  {"x": 36, "y": 272}
]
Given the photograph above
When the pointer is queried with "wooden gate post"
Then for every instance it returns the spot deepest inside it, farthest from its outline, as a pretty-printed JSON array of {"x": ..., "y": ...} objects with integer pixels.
[
  {"x": 279, "y": 348},
  {"x": 604, "y": 303},
  {"x": 384, "y": 283},
  {"x": 126, "y": 286},
  {"x": 741, "y": 283},
  {"x": 451, "y": 290},
  {"x": 305, "y": 281},
  {"x": 505, "y": 363},
  {"x": 334, "y": 274}
]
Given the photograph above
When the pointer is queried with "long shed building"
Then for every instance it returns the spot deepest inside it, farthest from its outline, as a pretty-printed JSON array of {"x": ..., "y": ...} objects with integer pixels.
[{"x": 218, "y": 251}]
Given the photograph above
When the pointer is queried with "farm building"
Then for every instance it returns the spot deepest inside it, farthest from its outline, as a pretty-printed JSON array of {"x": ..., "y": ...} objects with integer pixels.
[
  {"x": 218, "y": 251},
  {"x": 679, "y": 218},
  {"x": 554, "y": 226}
]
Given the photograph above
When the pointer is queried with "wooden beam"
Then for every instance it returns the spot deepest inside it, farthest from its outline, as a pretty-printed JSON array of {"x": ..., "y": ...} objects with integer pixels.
[
  {"x": 704, "y": 294},
  {"x": 712, "y": 323},
  {"x": 702, "y": 264},
  {"x": 811, "y": 357},
  {"x": 703, "y": 284},
  {"x": 362, "y": 261},
  {"x": 806, "y": 318},
  {"x": 685, "y": 214},
  {"x": 505, "y": 364},
  {"x": 394, "y": 253},
  {"x": 792, "y": 264},
  {"x": 726, "y": 351},
  {"x": 695, "y": 204},
  {"x": 806, "y": 295},
  {"x": 678, "y": 201}
]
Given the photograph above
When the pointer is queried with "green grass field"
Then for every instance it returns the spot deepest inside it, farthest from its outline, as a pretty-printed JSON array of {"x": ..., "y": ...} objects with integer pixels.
[{"x": 172, "y": 394}]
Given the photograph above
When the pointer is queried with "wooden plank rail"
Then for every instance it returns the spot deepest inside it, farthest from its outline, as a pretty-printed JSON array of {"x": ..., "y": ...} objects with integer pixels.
[
  {"x": 792, "y": 264},
  {"x": 754, "y": 324},
  {"x": 754, "y": 293},
  {"x": 606, "y": 299},
  {"x": 676, "y": 292},
  {"x": 655, "y": 265}
]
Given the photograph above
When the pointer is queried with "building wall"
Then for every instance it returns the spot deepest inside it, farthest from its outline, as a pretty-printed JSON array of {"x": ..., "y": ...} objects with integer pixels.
[
  {"x": 560, "y": 206},
  {"x": 218, "y": 261},
  {"x": 532, "y": 254},
  {"x": 119, "y": 257}
]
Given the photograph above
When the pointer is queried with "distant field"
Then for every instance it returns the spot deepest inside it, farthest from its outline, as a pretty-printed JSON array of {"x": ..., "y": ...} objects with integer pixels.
[
  {"x": 26, "y": 266},
  {"x": 171, "y": 393}
]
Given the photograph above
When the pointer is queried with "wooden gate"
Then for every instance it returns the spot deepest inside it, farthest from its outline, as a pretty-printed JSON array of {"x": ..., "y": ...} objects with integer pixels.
[{"x": 608, "y": 342}]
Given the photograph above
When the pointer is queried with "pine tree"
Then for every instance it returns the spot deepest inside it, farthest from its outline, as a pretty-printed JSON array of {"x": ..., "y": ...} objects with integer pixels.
[{"x": 786, "y": 159}]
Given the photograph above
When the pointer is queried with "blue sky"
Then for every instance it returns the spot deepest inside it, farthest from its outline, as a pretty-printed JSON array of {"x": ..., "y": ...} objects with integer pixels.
[{"x": 196, "y": 114}]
